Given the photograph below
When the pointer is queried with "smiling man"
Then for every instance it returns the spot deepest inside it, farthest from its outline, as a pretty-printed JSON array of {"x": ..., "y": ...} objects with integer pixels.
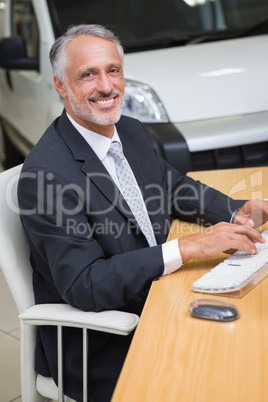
[{"x": 97, "y": 202}]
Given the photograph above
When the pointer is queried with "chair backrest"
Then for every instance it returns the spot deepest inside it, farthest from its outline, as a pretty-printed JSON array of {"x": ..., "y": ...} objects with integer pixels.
[{"x": 14, "y": 248}]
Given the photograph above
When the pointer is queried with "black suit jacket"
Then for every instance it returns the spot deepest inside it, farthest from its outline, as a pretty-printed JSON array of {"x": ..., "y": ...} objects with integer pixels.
[{"x": 86, "y": 247}]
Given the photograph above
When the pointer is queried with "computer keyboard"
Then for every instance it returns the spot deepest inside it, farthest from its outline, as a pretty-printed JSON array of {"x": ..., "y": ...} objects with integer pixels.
[{"x": 237, "y": 274}]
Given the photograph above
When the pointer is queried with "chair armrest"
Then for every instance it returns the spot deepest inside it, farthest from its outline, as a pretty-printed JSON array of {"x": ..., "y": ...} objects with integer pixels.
[{"x": 113, "y": 321}]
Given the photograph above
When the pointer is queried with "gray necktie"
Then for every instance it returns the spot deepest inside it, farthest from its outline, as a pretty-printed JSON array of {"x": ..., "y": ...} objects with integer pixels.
[{"x": 130, "y": 191}]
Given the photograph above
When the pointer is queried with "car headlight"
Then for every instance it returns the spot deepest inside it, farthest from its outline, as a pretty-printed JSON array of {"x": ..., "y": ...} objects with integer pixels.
[{"x": 142, "y": 103}]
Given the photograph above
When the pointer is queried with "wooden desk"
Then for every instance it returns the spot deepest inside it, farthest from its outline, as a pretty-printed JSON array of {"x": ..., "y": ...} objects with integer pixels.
[{"x": 177, "y": 358}]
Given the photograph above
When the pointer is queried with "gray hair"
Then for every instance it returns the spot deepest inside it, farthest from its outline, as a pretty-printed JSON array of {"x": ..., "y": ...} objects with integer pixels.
[{"x": 57, "y": 53}]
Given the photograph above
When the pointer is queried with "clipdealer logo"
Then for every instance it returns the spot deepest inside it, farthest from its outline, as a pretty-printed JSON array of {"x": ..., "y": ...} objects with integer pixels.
[{"x": 51, "y": 195}]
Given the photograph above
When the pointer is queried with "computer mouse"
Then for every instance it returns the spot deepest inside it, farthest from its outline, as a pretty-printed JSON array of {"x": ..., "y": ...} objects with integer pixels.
[{"x": 215, "y": 310}]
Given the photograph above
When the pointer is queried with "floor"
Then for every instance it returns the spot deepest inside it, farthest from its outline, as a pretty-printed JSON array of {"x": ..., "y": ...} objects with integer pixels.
[{"x": 9, "y": 345}]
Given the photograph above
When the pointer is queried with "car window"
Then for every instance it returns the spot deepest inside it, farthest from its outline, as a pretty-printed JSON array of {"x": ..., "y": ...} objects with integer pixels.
[
  {"x": 24, "y": 24},
  {"x": 143, "y": 24}
]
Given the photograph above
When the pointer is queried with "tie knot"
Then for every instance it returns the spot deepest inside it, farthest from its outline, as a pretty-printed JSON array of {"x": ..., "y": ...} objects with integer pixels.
[{"x": 116, "y": 150}]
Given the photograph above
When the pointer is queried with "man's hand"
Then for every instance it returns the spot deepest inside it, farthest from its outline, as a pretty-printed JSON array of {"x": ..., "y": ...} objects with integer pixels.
[
  {"x": 219, "y": 238},
  {"x": 253, "y": 213}
]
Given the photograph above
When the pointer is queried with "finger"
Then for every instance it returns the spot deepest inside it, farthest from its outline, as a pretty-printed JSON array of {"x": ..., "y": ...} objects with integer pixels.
[
  {"x": 250, "y": 232},
  {"x": 248, "y": 247},
  {"x": 242, "y": 220}
]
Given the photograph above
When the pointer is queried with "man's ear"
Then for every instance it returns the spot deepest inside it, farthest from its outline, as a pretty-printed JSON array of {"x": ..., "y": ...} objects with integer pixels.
[{"x": 60, "y": 87}]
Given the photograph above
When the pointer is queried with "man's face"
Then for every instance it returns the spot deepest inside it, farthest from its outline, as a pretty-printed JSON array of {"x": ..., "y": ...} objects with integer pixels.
[{"x": 93, "y": 90}]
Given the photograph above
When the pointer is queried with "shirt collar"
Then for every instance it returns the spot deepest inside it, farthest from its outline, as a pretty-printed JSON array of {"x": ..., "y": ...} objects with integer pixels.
[{"x": 99, "y": 143}]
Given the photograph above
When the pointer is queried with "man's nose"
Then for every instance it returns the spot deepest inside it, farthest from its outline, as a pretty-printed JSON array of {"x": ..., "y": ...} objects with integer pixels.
[{"x": 104, "y": 83}]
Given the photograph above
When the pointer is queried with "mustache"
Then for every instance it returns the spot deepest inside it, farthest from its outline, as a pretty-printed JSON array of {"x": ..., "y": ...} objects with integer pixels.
[{"x": 102, "y": 95}]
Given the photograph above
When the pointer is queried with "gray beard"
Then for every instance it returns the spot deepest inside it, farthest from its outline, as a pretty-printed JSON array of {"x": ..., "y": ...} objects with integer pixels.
[{"x": 83, "y": 113}]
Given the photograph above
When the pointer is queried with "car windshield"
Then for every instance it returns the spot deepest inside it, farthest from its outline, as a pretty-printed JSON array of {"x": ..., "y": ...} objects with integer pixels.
[{"x": 149, "y": 24}]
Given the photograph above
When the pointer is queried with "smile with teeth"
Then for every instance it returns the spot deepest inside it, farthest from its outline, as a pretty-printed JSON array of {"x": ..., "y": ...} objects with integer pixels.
[{"x": 104, "y": 102}]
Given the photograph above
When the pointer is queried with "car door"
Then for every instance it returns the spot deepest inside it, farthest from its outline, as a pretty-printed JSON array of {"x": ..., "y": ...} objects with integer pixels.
[{"x": 28, "y": 93}]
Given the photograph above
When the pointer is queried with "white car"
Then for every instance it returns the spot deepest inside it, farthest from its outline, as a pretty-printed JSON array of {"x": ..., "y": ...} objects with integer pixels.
[{"x": 196, "y": 74}]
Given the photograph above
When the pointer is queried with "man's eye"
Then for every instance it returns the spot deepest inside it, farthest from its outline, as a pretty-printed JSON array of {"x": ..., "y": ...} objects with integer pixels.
[
  {"x": 115, "y": 71},
  {"x": 87, "y": 75}
]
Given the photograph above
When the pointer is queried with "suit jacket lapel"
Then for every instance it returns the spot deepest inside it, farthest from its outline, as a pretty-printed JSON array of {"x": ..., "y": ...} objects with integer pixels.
[{"x": 92, "y": 167}]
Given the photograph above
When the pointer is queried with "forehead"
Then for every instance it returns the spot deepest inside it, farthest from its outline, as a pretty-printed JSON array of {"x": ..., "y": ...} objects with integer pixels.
[{"x": 91, "y": 51}]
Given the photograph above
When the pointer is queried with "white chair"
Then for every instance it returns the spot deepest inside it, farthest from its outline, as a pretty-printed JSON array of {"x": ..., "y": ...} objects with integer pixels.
[{"x": 14, "y": 261}]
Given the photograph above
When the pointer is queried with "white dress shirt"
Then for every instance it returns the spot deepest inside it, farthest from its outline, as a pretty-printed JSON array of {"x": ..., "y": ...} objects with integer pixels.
[{"x": 100, "y": 145}]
